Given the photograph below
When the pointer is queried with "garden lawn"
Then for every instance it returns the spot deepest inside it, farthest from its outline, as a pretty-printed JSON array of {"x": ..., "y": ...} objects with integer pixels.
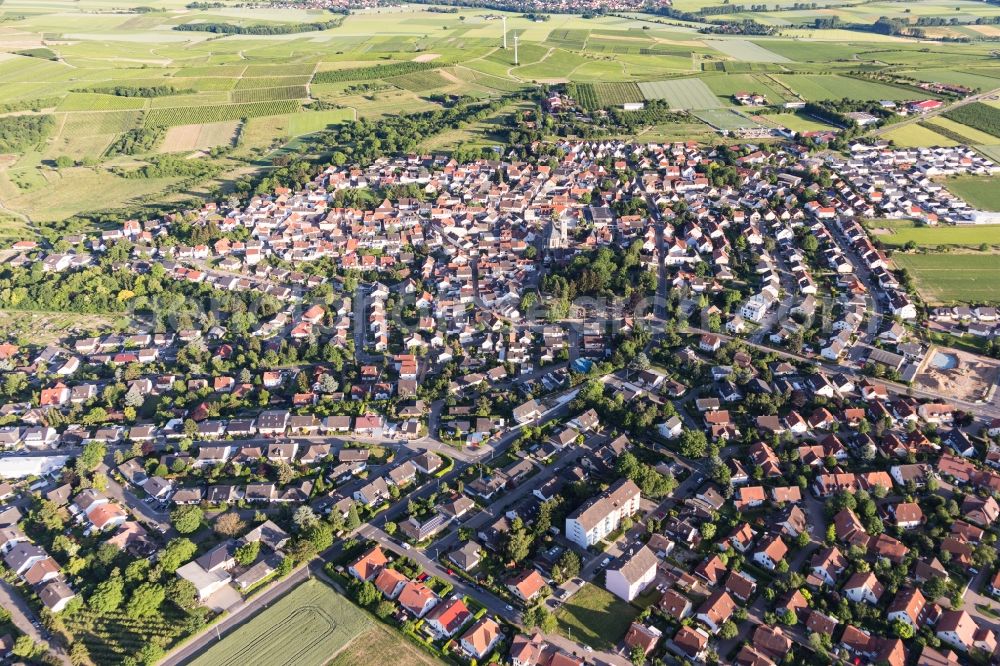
[
  {"x": 306, "y": 627},
  {"x": 596, "y": 617}
]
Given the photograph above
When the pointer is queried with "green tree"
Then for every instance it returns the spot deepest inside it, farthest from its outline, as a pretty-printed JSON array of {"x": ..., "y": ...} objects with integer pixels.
[
  {"x": 693, "y": 444},
  {"x": 320, "y": 535},
  {"x": 902, "y": 629},
  {"x": 353, "y": 519},
  {"x": 177, "y": 552},
  {"x": 517, "y": 544},
  {"x": 24, "y": 647},
  {"x": 108, "y": 595},
  {"x": 91, "y": 456},
  {"x": 385, "y": 609},
  {"x": 182, "y": 593},
  {"x": 567, "y": 566},
  {"x": 146, "y": 600},
  {"x": 187, "y": 519},
  {"x": 366, "y": 594},
  {"x": 246, "y": 554}
]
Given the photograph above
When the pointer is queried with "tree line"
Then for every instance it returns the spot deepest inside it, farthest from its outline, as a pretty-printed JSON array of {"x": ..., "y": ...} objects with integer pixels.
[{"x": 260, "y": 28}]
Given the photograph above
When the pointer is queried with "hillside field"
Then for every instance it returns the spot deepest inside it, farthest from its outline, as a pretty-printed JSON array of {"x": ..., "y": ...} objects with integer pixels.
[{"x": 101, "y": 72}]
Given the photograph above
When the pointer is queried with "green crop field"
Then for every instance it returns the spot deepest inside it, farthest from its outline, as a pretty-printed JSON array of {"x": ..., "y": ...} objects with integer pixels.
[
  {"x": 681, "y": 93},
  {"x": 912, "y": 135},
  {"x": 406, "y": 59},
  {"x": 306, "y": 627},
  {"x": 800, "y": 122},
  {"x": 213, "y": 114},
  {"x": 725, "y": 119},
  {"x": 954, "y": 277},
  {"x": 746, "y": 51},
  {"x": 819, "y": 87},
  {"x": 268, "y": 94},
  {"x": 942, "y": 236},
  {"x": 979, "y": 191},
  {"x": 420, "y": 81}
]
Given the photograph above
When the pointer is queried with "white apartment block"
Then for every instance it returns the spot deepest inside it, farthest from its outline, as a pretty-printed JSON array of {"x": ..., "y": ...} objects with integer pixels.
[{"x": 603, "y": 514}]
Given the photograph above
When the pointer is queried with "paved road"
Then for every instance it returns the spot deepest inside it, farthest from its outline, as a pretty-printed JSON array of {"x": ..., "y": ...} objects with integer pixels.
[
  {"x": 159, "y": 520},
  {"x": 24, "y": 619}
]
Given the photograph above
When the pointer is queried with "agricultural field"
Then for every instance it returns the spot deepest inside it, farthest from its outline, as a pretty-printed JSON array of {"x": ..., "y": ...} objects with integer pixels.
[
  {"x": 214, "y": 114},
  {"x": 800, "y": 122},
  {"x": 969, "y": 134},
  {"x": 903, "y": 232},
  {"x": 979, "y": 191},
  {"x": 380, "y": 645},
  {"x": 820, "y": 87},
  {"x": 725, "y": 119},
  {"x": 681, "y": 93},
  {"x": 112, "y": 636},
  {"x": 383, "y": 62},
  {"x": 953, "y": 276},
  {"x": 306, "y": 627},
  {"x": 913, "y": 135},
  {"x": 745, "y": 51},
  {"x": 186, "y": 138},
  {"x": 604, "y": 95}
]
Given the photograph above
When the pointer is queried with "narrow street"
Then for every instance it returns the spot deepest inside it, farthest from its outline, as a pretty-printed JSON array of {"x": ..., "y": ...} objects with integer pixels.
[{"x": 26, "y": 621}]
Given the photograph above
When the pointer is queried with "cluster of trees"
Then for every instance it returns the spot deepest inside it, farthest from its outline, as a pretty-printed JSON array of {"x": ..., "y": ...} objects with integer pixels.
[
  {"x": 364, "y": 141},
  {"x": 20, "y": 132},
  {"x": 650, "y": 482},
  {"x": 744, "y": 27},
  {"x": 29, "y": 104},
  {"x": 603, "y": 272},
  {"x": 171, "y": 166},
  {"x": 138, "y": 140},
  {"x": 260, "y": 28},
  {"x": 137, "y": 91}
]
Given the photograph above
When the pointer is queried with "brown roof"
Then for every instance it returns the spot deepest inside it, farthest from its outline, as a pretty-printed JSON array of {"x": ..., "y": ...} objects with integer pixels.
[
  {"x": 718, "y": 607},
  {"x": 691, "y": 641},
  {"x": 482, "y": 634},
  {"x": 388, "y": 580},
  {"x": 643, "y": 637},
  {"x": 674, "y": 604},
  {"x": 907, "y": 512},
  {"x": 528, "y": 583},
  {"x": 414, "y": 596},
  {"x": 771, "y": 640},
  {"x": 820, "y": 623},
  {"x": 740, "y": 585},
  {"x": 370, "y": 562}
]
